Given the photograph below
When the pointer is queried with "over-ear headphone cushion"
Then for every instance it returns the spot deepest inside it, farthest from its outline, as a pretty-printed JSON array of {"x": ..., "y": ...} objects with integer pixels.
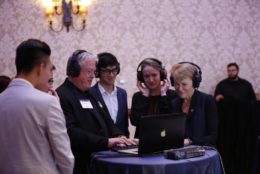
[
  {"x": 73, "y": 68},
  {"x": 140, "y": 76},
  {"x": 162, "y": 74},
  {"x": 196, "y": 79},
  {"x": 172, "y": 80},
  {"x": 118, "y": 68},
  {"x": 97, "y": 74}
]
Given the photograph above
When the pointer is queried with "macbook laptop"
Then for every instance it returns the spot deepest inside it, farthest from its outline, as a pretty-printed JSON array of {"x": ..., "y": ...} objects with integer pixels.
[{"x": 159, "y": 132}]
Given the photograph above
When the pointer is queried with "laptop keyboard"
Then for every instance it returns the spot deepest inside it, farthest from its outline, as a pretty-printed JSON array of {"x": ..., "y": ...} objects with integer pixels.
[{"x": 125, "y": 147}]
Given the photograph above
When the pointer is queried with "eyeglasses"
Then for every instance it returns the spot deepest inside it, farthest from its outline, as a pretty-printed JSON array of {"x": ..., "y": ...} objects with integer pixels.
[{"x": 109, "y": 71}]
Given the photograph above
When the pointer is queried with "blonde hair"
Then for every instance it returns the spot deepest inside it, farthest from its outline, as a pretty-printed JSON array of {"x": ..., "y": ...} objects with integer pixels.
[{"x": 182, "y": 71}]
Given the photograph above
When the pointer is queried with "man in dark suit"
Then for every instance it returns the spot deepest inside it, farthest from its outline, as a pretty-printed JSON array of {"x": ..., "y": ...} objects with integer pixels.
[
  {"x": 112, "y": 97},
  {"x": 89, "y": 127}
]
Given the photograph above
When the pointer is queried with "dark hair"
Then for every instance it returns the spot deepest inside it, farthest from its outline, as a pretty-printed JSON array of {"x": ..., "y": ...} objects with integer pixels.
[
  {"x": 31, "y": 53},
  {"x": 233, "y": 64},
  {"x": 106, "y": 59},
  {"x": 4, "y": 82}
]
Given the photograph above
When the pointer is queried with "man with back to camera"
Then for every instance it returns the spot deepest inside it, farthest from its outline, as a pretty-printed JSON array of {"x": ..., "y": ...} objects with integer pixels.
[
  {"x": 112, "y": 97},
  {"x": 33, "y": 134},
  {"x": 234, "y": 87},
  {"x": 89, "y": 127}
]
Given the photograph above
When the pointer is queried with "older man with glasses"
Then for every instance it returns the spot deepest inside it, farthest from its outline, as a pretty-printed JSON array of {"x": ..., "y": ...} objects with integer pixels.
[{"x": 89, "y": 126}]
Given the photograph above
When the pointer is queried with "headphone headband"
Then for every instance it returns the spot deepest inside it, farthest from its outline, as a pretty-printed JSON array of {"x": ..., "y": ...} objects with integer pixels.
[
  {"x": 191, "y": 64},
  {"x": 146, "y": 60}
]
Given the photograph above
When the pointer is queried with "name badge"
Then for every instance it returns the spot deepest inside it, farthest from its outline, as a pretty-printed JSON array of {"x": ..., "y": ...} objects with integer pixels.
[{"x": 86, "y": 104}]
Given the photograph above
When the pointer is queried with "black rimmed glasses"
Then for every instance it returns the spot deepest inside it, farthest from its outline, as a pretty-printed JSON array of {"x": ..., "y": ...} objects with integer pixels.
[{"x": 108, "y": 71}]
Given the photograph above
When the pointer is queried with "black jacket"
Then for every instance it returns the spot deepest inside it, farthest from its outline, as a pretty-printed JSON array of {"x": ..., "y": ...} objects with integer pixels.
[
  {"x": 202, "y": 119},
  {"x": 239, "y": 90},
  {"x": 88, "y": 128},
  {"x": 141, "y": 106},
  {"x": 122, "y": 114}
]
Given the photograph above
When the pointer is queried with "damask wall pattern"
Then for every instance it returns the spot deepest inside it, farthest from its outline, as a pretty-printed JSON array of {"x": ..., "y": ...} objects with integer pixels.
[{"x": 210, "y": 33}]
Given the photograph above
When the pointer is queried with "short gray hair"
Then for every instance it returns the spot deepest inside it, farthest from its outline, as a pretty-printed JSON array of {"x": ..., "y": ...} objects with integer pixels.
[
  {"x": 86, "y": 56},
  {"x": 182, "y": 71},
  {"x": 77, "y": 59}
]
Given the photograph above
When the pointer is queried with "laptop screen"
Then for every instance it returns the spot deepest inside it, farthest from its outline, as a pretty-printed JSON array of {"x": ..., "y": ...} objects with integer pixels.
[{"x": 161, "y": 132}]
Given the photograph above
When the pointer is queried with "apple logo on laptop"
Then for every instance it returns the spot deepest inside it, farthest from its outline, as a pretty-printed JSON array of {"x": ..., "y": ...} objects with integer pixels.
[{"x": 163, "y": 133}]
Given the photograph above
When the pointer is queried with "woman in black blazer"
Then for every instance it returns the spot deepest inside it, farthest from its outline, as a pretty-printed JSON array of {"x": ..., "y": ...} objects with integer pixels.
[{"x": 202, "y": 117}]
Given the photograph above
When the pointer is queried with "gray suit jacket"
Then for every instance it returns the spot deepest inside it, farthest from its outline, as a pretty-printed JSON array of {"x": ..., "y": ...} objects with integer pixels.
[{"x": 33, "y": 136}]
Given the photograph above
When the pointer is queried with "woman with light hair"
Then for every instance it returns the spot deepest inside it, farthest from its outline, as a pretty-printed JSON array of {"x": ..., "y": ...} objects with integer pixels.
[
  {"x": 201, "y": 110},
  {"x": 154, "y": 95}
]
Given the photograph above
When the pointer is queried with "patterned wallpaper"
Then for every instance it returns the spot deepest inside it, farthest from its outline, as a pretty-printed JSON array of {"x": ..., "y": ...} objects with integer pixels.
[{"x": 210, "y": 33}]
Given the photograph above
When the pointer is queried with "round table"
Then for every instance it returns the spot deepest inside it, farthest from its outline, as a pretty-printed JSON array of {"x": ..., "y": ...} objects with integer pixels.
[{"x": 109, "y": 162}]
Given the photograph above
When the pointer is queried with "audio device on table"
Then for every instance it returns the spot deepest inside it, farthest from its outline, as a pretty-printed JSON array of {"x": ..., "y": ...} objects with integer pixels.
[{"x": 184, "y": 153}]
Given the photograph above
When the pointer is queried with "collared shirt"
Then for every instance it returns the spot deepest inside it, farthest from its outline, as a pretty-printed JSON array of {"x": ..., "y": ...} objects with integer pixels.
[{"x": 110, "y": 100}]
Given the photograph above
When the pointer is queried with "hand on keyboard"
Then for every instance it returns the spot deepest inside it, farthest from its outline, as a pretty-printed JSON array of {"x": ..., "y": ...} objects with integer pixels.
[
  {"x": 121, "y": 141},
  {"x": 124, "y": 147}
]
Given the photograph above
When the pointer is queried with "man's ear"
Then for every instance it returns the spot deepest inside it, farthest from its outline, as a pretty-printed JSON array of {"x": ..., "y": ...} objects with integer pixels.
[{"x": 39, "y": 68}]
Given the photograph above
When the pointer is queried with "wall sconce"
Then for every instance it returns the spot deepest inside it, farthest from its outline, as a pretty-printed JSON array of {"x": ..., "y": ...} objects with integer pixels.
[{"x": 72, "y": 12}]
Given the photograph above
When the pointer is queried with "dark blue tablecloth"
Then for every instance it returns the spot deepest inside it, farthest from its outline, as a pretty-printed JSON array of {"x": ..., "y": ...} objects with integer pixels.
[{"x": 108, "y": 162}]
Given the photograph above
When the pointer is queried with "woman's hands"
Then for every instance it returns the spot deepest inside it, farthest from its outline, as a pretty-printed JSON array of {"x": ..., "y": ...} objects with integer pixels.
[
  {"x": 164, "y": 87},
  {"x": 145, "y": 91}
]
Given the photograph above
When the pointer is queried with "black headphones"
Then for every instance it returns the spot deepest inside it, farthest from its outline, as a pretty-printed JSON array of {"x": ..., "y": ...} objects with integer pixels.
[
  {"x": 73, "y": 67},
  {"x": 140, "y": 76},
  {"x": 106, "y": 59},
  {"x": 196, "y": 79}
]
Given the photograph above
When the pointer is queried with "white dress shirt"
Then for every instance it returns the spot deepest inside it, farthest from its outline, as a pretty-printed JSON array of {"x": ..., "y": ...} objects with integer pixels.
[{"x": 110, "y": 100}]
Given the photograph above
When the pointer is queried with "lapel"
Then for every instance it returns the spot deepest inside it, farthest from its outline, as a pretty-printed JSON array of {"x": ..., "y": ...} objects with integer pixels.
[
  {"x": 120, "y": 105},
  {"x": 98, "y": 113},
  {"x": 94, "y": 113},
  {"x": 97, "y": 94},
  {"x": 193, "y": 104}
]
